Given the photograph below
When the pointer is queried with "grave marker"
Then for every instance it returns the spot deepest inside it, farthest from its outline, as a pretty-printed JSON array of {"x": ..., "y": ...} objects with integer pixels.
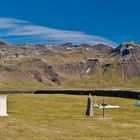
[
  {"x": 3, "y": 105},
  {"x": 89, "y": 110}
]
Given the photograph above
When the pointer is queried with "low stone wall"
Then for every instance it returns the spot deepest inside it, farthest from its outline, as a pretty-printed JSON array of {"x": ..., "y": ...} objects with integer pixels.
[
  {"x": 111, "y": 93},
  {"x": 17, "y": 92}
]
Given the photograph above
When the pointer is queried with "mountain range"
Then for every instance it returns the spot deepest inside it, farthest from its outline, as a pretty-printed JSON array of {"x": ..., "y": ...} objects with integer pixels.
[{"x": 68, "y": 66}]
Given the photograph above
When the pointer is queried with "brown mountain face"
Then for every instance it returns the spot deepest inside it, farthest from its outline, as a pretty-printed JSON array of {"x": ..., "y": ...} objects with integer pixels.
[
  {"x": 2, "y": 42},
  {"x": 57, "y": 65},
  {"x": 127, "y": 57},
  {"x": 127, "y": 51}
]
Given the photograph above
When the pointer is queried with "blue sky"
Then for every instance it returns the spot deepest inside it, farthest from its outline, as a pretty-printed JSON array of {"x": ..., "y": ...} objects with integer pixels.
[{"x": 78, "y": 21}]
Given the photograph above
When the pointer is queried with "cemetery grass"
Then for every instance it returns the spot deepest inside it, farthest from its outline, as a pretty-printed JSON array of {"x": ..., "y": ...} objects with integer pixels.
[{"x": 62, "y": 117}]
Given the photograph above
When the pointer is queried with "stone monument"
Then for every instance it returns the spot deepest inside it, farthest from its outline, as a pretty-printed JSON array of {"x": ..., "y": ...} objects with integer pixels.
[
  {"x": 89, "y": 111},
  {"x": 3, "y": 105}
]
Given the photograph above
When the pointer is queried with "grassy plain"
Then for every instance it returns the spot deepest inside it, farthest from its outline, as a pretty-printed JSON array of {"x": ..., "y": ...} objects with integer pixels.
[{"x": 62, "y": 117}]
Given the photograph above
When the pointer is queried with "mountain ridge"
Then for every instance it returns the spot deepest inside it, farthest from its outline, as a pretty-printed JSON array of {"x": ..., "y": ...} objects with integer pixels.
[{"x": 42, "y": 66}]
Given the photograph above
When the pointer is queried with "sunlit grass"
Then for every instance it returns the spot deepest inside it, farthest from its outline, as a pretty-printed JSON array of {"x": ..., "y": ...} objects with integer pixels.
[{"x": 57, "y": 117}]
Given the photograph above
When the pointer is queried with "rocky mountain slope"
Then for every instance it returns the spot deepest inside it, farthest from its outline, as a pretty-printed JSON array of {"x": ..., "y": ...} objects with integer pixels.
[{"x": 68, "y": 66}]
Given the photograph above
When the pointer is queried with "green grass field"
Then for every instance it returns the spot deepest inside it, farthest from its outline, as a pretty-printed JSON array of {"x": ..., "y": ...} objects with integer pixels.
[{"x": 62, "y": 117}]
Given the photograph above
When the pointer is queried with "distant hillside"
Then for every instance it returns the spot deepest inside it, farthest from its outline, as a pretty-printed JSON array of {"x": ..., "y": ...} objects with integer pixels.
[{"x": 68, "y": 66}]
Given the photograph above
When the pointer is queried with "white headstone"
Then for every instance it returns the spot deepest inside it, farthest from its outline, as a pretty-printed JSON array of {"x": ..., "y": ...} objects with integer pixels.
[{"x": 3, "y": 105}]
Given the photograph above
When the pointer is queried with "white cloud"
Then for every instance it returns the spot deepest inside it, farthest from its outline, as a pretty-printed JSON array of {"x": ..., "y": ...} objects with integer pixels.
[{"x": 14, "y": 30}]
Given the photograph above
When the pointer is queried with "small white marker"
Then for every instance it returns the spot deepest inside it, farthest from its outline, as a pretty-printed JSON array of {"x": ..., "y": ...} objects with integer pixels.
[{"x": 3, "y": 105}]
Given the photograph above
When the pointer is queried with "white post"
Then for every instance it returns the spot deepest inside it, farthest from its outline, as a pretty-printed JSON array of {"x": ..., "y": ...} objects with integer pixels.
[{"x": 3, "y": 105}]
